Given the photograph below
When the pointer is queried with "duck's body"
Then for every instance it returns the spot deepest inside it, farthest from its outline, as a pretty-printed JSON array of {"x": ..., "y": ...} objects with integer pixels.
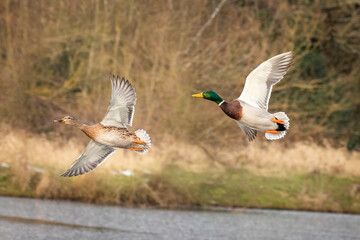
[
  {"x": 111, "y": 136},
  {"x": 111, "y": 132},
  {"x": 255, "y": 118},
  {"x": 250, "y": 110}
]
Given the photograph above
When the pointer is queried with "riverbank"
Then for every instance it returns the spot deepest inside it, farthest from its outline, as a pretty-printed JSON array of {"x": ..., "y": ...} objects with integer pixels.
[
  {"x": 240, "y": 188},
  {"x": 304, "y": 176},
  {"x": 174, "y": 187}
]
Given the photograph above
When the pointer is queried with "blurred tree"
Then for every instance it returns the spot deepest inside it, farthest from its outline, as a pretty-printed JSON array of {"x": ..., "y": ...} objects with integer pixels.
[{"x": 55, "y": 58}]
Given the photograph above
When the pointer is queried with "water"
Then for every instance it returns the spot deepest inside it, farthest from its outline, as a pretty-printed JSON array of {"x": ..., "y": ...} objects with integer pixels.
[{"x": 44, "y": 219}]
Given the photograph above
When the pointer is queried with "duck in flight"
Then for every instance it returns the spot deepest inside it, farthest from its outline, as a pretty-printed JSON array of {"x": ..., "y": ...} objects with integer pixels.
[
  {"x": 111, "y": 132},
  {"x": 250, "y": 110}
]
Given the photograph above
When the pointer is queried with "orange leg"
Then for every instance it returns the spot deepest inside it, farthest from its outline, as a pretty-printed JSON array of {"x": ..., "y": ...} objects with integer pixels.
[
  {"x": 136, "y": 149},
  {"x": 275, "y": 120},
  {"x": 139, "y": 142},
  {"x": 272, "y": 131}
]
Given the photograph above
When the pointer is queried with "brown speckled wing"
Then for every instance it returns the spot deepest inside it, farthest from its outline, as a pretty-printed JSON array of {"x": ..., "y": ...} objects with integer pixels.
[{"x": 93, "y": 155}]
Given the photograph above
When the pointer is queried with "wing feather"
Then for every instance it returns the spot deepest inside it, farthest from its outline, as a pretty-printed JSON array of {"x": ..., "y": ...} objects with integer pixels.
[
  {"x": 122, "y": 104},
  {"x": 93, "y": 155},
  {"x": 259, "y": 82},
  {"x": 250, "y": 133}
]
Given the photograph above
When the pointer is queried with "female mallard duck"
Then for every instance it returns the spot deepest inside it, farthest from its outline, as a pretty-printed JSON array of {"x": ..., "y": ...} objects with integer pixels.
[
  {"x": 250, "y": 109},
  {"x": 111, "y": 132}
]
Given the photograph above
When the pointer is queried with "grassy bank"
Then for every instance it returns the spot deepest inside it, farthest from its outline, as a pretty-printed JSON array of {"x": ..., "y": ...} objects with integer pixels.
[
  {"x": 301, "y": 176},
  {"x": 175, "y": 187}
]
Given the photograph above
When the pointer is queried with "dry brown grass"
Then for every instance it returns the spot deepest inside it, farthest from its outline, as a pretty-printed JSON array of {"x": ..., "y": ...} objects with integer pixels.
[
  {"x": 273, "y": 158},
  {"x": 24, "y": 151},
  {"x": 173, "y": 173}
]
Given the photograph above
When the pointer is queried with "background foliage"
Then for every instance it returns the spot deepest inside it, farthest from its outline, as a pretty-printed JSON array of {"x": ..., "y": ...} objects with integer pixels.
[{"x": 56, "y": 57}]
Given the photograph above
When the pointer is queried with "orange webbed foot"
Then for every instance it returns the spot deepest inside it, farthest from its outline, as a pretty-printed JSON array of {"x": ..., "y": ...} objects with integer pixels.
[
  {"x": 272, "y": 131},
  {"x": 275, "y": 120},
  {"x": 139, "y": 142},
  {"x": 136, "y": 149}
]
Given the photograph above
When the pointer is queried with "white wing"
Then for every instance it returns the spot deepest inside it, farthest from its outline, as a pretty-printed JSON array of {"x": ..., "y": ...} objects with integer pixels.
[
  {"x": 93, "y": 155},
  {"x": 258, "y": 85},
  {"x": 250, "y": 133},
  {"x": 121, "y": 108}
]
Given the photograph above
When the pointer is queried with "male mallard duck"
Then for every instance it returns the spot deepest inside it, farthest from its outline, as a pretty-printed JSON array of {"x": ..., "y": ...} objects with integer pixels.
[
  {"x": 250, "y": 109},
  {"x": 111, "y": 132}
]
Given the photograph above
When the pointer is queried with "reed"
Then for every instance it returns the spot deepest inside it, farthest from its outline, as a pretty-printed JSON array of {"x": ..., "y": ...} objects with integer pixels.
[{"x": 301, "y": 176}]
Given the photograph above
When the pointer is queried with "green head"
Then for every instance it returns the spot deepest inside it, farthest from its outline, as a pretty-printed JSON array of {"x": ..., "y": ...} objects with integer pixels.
[{"x": 209, "y": 95}]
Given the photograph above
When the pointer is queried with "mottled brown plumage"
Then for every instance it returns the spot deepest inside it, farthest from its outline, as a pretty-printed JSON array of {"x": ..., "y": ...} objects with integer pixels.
[
  {"x": 111, "y": 132},
  {"x": 93, "y": 131},
  {"x": 111, "y": 136}
]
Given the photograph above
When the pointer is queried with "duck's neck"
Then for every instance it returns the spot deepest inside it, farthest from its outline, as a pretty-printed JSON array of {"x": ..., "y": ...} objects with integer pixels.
[
  {"x": 80, "y": 125},
  {"x": 77, "y": 124},
  {"x": 215, "y": 98},
  {"x": 233, "y": 109}
]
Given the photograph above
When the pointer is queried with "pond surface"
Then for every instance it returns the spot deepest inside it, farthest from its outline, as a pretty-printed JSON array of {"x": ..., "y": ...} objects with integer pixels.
[{"x": 22, "y": 218}]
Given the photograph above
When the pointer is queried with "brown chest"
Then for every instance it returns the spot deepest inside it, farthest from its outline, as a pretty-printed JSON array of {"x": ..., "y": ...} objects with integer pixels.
[
  {"x": 233, "y": 109},
  {"x": 92, "y": 131}
]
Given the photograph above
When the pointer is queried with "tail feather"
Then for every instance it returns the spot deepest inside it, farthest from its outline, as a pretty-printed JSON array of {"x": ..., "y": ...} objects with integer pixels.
[
  {"x": 281, "y": 127},
  {"x": 282, "y": 116},
  {"x": 142, "y": 134},
  {"x": 273, "y": 136}
]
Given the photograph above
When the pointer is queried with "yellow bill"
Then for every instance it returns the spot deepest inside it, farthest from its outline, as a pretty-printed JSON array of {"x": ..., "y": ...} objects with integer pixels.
[{"x": 199, "y": 95}]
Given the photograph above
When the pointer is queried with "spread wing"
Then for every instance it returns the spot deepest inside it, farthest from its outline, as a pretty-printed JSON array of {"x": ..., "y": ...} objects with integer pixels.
[
  {"x": 93, "y": 155},
  {"x": 250, "y": 133},
  {"x": 258, "y": 85},
  {"x": 121, "y": 108}
]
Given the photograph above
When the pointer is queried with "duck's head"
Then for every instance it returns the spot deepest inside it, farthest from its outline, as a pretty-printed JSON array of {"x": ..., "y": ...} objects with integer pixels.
[
  {"x": 209, "y": 95},
  {"x": 68, "y": 120}
]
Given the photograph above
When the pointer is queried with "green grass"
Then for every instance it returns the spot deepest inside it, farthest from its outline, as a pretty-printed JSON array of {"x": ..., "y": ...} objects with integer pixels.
[{"x": 175, "y": 187}]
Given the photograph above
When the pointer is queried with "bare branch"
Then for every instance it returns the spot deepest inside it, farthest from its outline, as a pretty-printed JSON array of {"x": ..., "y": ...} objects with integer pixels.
[{"x": 202, "y": 29}]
